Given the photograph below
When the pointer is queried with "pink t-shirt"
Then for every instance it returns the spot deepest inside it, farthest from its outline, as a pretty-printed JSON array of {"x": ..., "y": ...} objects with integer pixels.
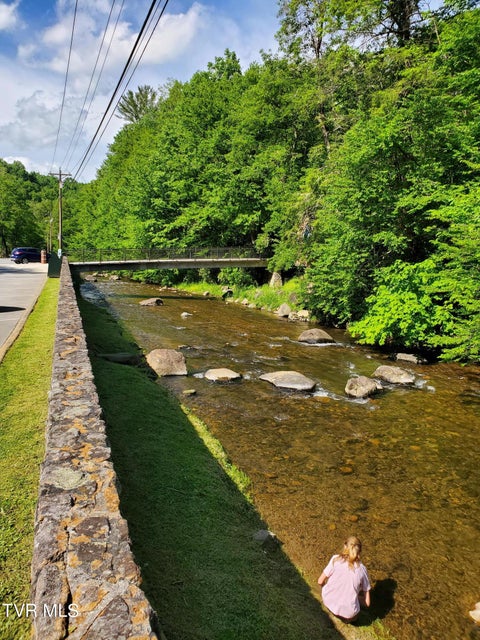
[{"x": 340, "y": 593}]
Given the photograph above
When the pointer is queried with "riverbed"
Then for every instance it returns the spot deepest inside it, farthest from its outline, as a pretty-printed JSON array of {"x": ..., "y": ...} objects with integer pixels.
[{"x": 401, "y": 471}]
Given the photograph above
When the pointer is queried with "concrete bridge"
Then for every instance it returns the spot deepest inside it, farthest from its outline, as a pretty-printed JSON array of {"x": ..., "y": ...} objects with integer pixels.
[{"x": 87, "y": 260}]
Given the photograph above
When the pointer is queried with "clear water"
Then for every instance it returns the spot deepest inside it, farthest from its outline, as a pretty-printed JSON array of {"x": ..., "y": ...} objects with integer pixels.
[{"x": 401, "y": 471}]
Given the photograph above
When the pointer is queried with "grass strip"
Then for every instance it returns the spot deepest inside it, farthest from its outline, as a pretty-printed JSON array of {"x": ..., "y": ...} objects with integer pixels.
[
  {"x": 191, "y": 527},
  {"x": 25, "y": 377}
]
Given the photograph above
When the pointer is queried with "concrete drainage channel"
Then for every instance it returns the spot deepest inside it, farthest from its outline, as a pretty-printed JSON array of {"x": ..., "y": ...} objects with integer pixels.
[{"x": 85, "y": 583}]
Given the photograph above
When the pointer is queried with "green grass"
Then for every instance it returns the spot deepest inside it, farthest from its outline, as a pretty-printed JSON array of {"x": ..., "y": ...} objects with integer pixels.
[
  {"x": 191, "y": 526},
  {"x": 265, "y": 297},
  {"x": 25, "y": 376}
]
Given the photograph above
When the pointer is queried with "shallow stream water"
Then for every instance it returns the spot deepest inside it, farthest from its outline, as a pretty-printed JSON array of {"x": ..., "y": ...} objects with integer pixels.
[{"x": 401, "y": 471}]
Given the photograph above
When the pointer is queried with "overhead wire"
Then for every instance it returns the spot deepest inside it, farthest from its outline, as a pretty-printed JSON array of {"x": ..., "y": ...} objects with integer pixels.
[
  {"x": 65, "y": 84},
  {"x": 141, "y": 36},
  {"x": 128, "y": 81},
  {"x": 84, "y": 114}
]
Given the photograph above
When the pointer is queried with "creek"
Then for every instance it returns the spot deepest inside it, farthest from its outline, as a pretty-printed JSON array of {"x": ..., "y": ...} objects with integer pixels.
[{"x": 401, "y": 471}]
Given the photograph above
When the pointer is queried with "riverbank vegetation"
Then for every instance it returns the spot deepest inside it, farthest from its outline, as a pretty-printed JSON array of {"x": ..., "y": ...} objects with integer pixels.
[
  {"x": 261, "y": 297},
  {"x": 23, "y": 412},
  {"x": 349, "y": 159},
  {"x": 191, "y": 519}
]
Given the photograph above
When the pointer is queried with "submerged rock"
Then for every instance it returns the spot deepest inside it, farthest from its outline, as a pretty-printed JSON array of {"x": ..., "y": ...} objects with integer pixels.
[
  {"x": 394, "y": 375},
  {"x": 410, "y": 357},
  {"x": 315, "y": 336},
  {"x": 289, "y": 380},
  {"x": 151, "y": 302},
  {"x": 167, "y": 362},
  {"x": 475, "y": 614},
  {"x": 221, "y": 375},
  {"x": 362, "y": 387}
]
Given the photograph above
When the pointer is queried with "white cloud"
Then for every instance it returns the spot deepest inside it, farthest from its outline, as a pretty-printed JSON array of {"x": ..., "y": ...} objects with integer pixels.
[
  {"x": 8, "y": 16},
  {"x": 174, "y": 34},
  {"x": 36, "y": 122},
  {"x": 29, "y": 164},
  {"x": 33, "y": 83}
]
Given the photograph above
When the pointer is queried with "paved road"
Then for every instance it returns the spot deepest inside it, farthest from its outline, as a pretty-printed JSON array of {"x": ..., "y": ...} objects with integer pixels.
[{"x": 20, "y": 286}]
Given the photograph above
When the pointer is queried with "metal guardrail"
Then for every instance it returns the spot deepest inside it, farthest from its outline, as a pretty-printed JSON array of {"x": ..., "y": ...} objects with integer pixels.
[{"x": 155, "y": 253}]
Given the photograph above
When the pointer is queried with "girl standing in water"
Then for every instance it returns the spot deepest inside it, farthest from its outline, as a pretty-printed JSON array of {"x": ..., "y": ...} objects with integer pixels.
[{"x": 345, "y": 583}]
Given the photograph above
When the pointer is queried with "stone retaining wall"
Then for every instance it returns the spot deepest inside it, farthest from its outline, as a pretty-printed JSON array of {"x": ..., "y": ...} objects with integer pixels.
[{"x": 85, "y": 583}]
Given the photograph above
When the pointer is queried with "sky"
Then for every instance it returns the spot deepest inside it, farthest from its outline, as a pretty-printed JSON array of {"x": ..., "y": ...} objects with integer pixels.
[{"x": 42, "y": 107}]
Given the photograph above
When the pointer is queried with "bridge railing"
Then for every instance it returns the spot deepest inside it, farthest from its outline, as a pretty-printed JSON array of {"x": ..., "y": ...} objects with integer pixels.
[{"x": 160, "y": 253}]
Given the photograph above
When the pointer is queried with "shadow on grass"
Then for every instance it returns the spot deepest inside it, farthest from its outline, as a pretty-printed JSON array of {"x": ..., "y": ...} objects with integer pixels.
[
  {"x": 383, "y": 601},
  {"x": 192, "y": 530}
]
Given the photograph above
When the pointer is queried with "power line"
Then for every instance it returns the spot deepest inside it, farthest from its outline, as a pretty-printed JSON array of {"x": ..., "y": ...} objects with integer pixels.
[
  {"x": 85, "y": 159},
  {"x": 66, "y": 80},
  {"x": 139, "y": 38},
  {"x": 74, "y": 135},
  {"x": 99, "y": 76}
]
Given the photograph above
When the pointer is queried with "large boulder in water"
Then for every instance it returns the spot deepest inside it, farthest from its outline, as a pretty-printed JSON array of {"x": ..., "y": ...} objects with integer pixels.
[
  {"x": 394, "y": 375},
  {"x": 362, "y": 387},
  {"x": 315, "y": 336},
  {"x": 289, "y": 380},
  {"x": 167, "y": 362},
  {"x": 221, "y": 375}
]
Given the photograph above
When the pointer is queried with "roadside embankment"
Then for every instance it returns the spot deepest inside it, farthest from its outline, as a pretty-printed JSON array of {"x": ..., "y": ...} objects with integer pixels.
[{"x": 85, "y": 582}]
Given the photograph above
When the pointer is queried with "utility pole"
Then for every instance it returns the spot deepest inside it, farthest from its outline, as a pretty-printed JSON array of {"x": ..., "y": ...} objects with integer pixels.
[{"x": 60, "y": 175}]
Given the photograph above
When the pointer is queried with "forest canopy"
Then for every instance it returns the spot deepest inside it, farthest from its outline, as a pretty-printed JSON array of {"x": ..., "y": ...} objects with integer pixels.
[{"x": 351, "y": 160}]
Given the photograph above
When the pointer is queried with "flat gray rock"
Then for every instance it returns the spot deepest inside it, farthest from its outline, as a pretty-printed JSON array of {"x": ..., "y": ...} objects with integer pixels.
[
  {"x": 410, "y": 357},
  {"x": 394, "y": 375},
  {"x": 221, "y": 375},
  {"x": 289, "y": 380}
]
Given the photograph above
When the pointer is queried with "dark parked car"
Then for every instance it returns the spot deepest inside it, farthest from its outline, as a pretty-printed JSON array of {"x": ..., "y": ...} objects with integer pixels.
[{"x": 26, "y": 254}]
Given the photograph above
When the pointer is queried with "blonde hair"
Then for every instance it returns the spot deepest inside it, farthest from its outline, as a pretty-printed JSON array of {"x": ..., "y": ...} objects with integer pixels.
[{"x": 352, "y": 548}]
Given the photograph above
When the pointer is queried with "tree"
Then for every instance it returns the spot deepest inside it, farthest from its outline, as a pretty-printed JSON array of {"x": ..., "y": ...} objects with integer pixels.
[
  {"x": 19, "y": 202},
  {"x": 457, "y": 274},
  {"x": 406, "y": 308},
  {"x": 133, "y": 106},
  {"x": 225, "y": 67},
  {"x": 303, "y": 27},
  {"x": 312, "y": 26}
]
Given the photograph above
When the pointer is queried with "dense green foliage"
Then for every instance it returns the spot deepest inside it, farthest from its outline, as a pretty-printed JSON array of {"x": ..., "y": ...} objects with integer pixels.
[
  {"x": 27, "y": 203},
  {"x": 351, "y": 159}
]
